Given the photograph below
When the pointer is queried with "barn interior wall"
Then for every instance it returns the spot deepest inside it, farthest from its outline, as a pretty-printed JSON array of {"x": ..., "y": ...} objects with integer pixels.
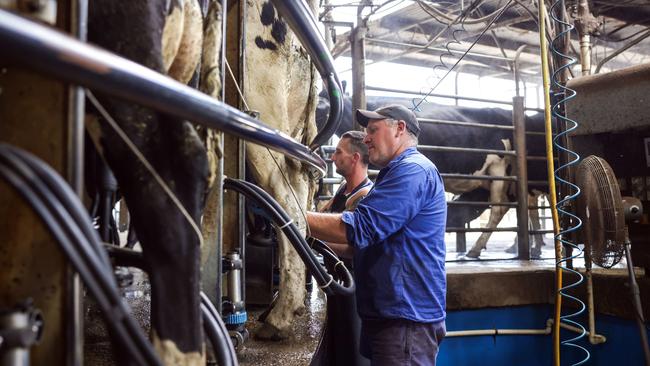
[
  {"x": 488, "y": 287},
  {"x": 32, "y": 116}
]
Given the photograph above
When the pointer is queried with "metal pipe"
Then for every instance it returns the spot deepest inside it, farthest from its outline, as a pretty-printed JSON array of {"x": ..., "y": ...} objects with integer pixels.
[
  {"x": 75, "y": 172},
  {"x": 437, "y": 95},
  {"x": 440, "y": 49},
  {"x": 358, "y": 53},
  {"x": 465, "y": 124},
  {"x": 61, "y": 56},
  {"x": 465, "y": 149},
  {"x": 516, "y": 68},
  {"x": 480, "y": 229},
  {"x": 494, "y": 332},
  {"x": 486, "y": 204},
  {"x": 531, "y": 232},
  {"x": 519, "y": 122},
  {"x": 636, "y": 300},
  {"x": 477, "y": 177},
  {"x": 303, "y": 23},
  {"x": 585, "y": 54}
]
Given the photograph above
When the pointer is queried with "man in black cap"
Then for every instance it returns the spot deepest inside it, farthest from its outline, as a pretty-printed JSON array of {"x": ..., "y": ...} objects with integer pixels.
[{"x": 397, "y": 233}]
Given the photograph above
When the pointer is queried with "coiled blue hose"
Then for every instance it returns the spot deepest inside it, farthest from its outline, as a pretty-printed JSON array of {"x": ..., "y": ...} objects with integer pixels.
[{"x": 565, "y": 95}]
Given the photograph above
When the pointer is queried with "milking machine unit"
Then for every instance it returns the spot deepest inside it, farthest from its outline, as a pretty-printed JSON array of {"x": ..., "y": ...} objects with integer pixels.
[
  {"x": 233, "y": 307},
  {"x": 20, "y": 328}
]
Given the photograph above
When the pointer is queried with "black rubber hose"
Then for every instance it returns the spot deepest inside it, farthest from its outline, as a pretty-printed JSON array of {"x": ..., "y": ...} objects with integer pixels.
[
  {"x": 217, "y": 332},
  {"x": 93, "y": 284},
  {"x": 73, "y": 206},
  {"x": 303, "y": 23},
  {"x": 299, "y": 242},
  {"x": 77, "y": 249},
  {"x": 215, "y": 329},
  {"x": 281, "y": 218},
  {"x": 333, "y": 263},
  {"x": 97, "y": 276},
  {"x": 291, "y": 231}
]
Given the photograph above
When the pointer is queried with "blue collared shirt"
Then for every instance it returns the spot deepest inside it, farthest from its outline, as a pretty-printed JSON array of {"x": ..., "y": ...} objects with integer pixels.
[{"x": 398, "y": 234}]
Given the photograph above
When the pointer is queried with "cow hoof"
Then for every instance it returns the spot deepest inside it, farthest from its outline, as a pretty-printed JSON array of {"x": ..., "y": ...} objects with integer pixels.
[
  {"x": 474, "y": 253},
  {"x": 268, "y": 332}
]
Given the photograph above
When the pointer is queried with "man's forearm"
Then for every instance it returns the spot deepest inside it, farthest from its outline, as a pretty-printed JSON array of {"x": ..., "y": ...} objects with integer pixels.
[
  {"x": 342, "y": 250},
  {"x": 326, "y": 227}
]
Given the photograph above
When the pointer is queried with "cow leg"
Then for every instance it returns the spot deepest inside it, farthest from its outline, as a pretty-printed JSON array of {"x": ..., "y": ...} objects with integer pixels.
[
  {"x": 498, "y": 190},
  {"x": 167, "y": 233},
  {"x": 291, "y": 295}
]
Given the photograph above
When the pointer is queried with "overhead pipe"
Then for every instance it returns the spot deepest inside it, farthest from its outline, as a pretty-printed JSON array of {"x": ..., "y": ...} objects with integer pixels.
[
  {"x": 303, "y": 23},
  {"x": 437, "y": 95},
  {"x": 56, "y": 54}
]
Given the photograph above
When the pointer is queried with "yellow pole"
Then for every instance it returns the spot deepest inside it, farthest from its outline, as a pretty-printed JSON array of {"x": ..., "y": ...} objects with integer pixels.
[{"x": 551, "y": 180}]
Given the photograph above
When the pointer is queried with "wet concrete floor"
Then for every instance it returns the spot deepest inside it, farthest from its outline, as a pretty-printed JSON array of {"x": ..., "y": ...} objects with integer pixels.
[
  {"x": 297, "y": 350},
  {"x": 294, "y": 351}
]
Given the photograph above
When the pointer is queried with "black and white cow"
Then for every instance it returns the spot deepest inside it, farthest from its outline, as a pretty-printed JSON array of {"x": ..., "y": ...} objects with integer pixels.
[
  {"x": 147, "y": 32},
  {"x": 466, "y": 163}
]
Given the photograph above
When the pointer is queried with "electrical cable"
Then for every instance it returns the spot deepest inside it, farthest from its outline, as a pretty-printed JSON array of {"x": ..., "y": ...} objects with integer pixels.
[
  {"x": 620, "y": 50},
  {"x": 51, "y": 206},
  {"x": 564, "y": 95},
  {"x": 494, "y": 19}
]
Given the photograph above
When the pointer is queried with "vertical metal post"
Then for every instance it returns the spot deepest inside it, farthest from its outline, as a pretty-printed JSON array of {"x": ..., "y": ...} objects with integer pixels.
[
  {"x": 357, "y": 46},
  {"x": 78, "y": 19},
  {"x": 519, "y": 121},
  {"x": 461, "y": 242},
  {"x": 586, "y": 25},
  {"x": 220, "y": 165},
  {"x": 241, "y": 164},
  {"x": 636, "y": 300}
]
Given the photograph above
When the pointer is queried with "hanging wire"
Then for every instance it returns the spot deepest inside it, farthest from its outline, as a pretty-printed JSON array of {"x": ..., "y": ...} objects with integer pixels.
[
  {"x": 564, "y": 95},
  {"x": 461, "y": 17}
]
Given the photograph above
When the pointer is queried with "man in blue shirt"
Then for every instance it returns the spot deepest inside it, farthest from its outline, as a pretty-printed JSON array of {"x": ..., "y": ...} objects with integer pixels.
[{"x": 397, "y": 232}]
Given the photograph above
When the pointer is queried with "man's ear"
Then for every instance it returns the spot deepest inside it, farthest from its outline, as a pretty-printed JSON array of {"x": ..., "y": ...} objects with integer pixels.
[{"x": 401, "y": 127}]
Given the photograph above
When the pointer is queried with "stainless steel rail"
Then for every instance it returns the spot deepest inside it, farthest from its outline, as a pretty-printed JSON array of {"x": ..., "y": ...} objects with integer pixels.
[
  {"x": 56, "y": 54},
  {"x": 465, "y": 149},
  {"x": 411, "y": 92}
]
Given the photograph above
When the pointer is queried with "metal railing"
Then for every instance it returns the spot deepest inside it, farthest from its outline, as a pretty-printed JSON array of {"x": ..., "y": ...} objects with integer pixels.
[
  {"x": 61, "y": 56},
  {"x": 522, "y": 182}
]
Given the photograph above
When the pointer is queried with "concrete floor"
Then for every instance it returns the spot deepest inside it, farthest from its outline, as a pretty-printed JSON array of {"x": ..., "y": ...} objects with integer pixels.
[{"x": 295, "y": 351}]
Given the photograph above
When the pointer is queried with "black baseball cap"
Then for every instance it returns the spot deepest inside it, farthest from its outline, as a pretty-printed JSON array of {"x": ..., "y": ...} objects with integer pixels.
[{"x": 393, "y": 111}]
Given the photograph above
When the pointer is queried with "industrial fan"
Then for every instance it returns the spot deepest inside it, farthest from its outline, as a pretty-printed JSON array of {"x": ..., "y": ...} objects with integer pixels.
[
  {"x": 603, "y": 213},
  {"x": 600, "y": 207}
]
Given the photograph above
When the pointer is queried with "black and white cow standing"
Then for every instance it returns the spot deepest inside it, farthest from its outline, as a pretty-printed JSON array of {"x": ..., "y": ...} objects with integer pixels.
[
  {"x": 148, "y": 32},
  {"x": 465, "y": 163},
  {"x": 281, "y": 85}
]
